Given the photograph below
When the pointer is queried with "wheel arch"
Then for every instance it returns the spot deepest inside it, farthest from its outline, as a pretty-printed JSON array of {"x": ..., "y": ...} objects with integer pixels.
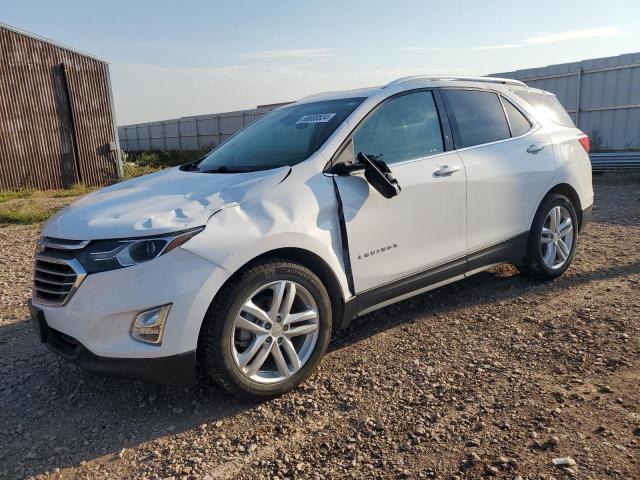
[
  {"x": 569, "y": 192},
  {"x": 307, "y": 259}
]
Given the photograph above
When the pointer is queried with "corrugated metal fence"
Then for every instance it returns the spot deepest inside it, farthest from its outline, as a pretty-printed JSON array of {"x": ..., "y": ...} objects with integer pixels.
[
  {"x": 56, "y": 120},
  {"x": 602, "y": 162},
  {"x": 187, "y": 133},
  {"x": 602, "y": 95}
]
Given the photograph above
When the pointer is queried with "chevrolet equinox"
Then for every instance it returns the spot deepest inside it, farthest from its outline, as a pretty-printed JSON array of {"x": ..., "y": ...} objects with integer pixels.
[{"x": 241, "y": 264}]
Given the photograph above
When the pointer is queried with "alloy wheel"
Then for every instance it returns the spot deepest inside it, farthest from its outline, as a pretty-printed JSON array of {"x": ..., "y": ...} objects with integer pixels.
[
  {"x": 557, "y": 237},
  {"x": 275, "y": 332}
]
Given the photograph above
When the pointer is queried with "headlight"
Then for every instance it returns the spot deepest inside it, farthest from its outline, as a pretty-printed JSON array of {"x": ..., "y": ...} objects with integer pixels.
[{"x": 103, "y": 255}]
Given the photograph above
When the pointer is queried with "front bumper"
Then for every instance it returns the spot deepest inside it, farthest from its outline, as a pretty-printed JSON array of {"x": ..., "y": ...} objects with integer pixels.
[
  {"x": 94, "y": 328},
  {"x": 178, "y": 370}
]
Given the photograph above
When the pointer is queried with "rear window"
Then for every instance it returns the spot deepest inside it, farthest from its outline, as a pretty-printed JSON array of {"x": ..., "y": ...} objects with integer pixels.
[
  {"x": 546, "y": 105},
  {"x": 479, "y": 117}
]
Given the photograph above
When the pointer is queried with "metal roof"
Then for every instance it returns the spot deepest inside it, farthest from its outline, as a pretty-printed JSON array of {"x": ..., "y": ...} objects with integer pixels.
[{"x": 52, "y": 42}]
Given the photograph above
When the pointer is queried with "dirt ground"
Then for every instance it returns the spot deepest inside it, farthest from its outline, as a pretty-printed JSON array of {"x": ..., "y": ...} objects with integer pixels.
[{"x": 497, "y": 375}]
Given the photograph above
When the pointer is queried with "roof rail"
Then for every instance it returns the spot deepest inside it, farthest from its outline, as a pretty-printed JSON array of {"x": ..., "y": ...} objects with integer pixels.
[{"x": 416, "y": 78}]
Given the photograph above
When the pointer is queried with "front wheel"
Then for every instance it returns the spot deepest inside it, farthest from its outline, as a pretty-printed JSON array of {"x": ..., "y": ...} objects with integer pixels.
[
  {"x": 267, "y": 330},
  {"x": 552, "y": 238}
]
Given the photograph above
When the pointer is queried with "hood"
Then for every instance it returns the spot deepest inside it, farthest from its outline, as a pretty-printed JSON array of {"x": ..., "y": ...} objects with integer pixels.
[{"x": 162, "y": 202}]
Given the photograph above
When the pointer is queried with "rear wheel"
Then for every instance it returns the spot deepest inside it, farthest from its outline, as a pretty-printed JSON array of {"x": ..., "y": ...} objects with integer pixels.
[
  {"x": 267, "y": 330},
  {"x": 552, "y": 238}
]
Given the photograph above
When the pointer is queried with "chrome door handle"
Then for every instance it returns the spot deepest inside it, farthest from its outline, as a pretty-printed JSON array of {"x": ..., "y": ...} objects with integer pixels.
[
  {"x": 446, "y": 170},
  {"x": 535, "y": 148}
]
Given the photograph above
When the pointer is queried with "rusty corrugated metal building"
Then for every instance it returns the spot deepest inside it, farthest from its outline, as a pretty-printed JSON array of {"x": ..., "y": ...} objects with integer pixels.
[{"x": 57, "y": 124}]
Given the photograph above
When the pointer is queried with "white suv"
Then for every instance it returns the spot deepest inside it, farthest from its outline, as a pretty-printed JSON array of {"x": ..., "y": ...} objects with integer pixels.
[{"x": 241, "y": 264}]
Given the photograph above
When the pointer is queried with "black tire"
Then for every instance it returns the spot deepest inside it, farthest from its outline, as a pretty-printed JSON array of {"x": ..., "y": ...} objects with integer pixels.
[
  {"x": 534, "y": 264},
  {"x": 216, "y": 359}
]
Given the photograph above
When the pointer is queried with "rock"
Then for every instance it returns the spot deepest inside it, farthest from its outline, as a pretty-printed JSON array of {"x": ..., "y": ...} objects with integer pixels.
[
  {"x": 605, "y": 389},
  {"x": 564, "y": 462},
  {"x": 491, "y": 470}
]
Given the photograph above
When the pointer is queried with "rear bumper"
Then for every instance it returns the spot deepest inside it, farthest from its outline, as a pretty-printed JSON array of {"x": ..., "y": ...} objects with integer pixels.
[
  {"x": 586, "y": 216},
  {"x": 178, "y": 370}
]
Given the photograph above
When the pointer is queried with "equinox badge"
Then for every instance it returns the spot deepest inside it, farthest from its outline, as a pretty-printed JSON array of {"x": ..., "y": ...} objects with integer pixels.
[{"x": 377, "y": 251}]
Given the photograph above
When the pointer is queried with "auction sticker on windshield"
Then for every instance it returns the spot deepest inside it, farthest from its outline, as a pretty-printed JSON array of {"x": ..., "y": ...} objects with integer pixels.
[{"x": 316, "y": 118}]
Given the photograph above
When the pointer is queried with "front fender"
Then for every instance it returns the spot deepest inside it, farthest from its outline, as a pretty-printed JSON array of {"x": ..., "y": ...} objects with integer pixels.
[{"x": 303, "y": 217}]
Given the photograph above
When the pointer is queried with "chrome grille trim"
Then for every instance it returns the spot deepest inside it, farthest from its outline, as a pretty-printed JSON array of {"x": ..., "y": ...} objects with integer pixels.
[
  {"x": 60, "y": 244},
  {"x": 52, "y": 286}
]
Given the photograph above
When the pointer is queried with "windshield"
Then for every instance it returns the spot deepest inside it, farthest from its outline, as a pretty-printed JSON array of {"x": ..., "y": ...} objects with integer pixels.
[{"x": 285, "y": 136}]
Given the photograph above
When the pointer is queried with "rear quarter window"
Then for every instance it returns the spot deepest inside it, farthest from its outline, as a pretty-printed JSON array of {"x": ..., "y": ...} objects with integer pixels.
[
  {"x": 517, "y": 121},
  {"x": 547, "y": 106}
]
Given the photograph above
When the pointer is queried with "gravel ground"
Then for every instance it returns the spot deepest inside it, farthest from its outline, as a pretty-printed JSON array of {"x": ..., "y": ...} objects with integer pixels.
[{"x": 497, "y": 375}]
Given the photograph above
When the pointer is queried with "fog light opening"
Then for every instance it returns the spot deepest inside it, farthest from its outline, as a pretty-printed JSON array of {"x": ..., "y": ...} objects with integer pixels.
[{"x": 148, "y": 326}]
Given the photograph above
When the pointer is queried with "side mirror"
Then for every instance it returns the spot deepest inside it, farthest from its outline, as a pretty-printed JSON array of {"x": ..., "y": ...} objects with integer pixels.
[
  {"x": 347, "y": 168},
  {"x": 376, "y": 172},
  {"x": 379, "y": 176}
]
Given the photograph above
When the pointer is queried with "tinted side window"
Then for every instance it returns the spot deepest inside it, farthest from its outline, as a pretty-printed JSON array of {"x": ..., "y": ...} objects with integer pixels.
[
  {"x": 517, "y": 121},
  {"x": 403, "y": 128},
  {"x": 479, "y": 116}
]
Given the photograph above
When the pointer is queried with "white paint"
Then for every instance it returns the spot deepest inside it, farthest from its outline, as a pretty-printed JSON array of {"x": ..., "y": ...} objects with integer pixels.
[{"x": 492, "y": 197}]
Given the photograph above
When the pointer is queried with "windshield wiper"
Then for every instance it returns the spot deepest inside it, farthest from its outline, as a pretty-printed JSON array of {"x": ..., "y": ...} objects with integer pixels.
[
  {"x": 222, "y": 169},
  {"x": 243, "y": 169}
]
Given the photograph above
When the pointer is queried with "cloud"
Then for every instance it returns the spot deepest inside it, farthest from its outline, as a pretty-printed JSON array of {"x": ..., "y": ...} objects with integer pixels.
[
  {"x": 500, "y": 47},
  {"x": 418, "y": 49},
  {"x": 574, "y": 35},
  {"x": 296, "y": 53},
  {"x": 546, "y": 38}
]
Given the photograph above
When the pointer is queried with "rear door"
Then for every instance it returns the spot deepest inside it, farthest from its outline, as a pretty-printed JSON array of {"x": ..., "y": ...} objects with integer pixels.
[
  {"x": 509, "y": 163},
  {"x": 422, "y": 227}
]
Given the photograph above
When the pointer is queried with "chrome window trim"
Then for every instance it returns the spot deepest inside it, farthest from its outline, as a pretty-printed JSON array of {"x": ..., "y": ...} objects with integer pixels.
[
  {"x": 421, "y": 159},
  {"x": 535, "y": 126},
  {"x": 532, "y": 130},
  {"x": 526, "y": 134}
]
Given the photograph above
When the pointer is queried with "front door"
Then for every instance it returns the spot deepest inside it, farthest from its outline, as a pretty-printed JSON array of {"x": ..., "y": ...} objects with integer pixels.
[{"x": 424, "y": 227}]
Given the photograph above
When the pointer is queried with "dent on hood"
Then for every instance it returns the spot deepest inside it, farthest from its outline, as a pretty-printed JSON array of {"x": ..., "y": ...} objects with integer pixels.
[{"x": 159, "y": 203}]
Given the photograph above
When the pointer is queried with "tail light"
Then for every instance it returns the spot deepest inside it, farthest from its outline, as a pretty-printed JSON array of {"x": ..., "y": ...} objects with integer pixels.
[{"x": 584, "y": 141}]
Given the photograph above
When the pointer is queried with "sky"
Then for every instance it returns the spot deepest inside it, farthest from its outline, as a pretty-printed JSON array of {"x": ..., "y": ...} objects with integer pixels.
[{"x": 178, "y": 58}]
